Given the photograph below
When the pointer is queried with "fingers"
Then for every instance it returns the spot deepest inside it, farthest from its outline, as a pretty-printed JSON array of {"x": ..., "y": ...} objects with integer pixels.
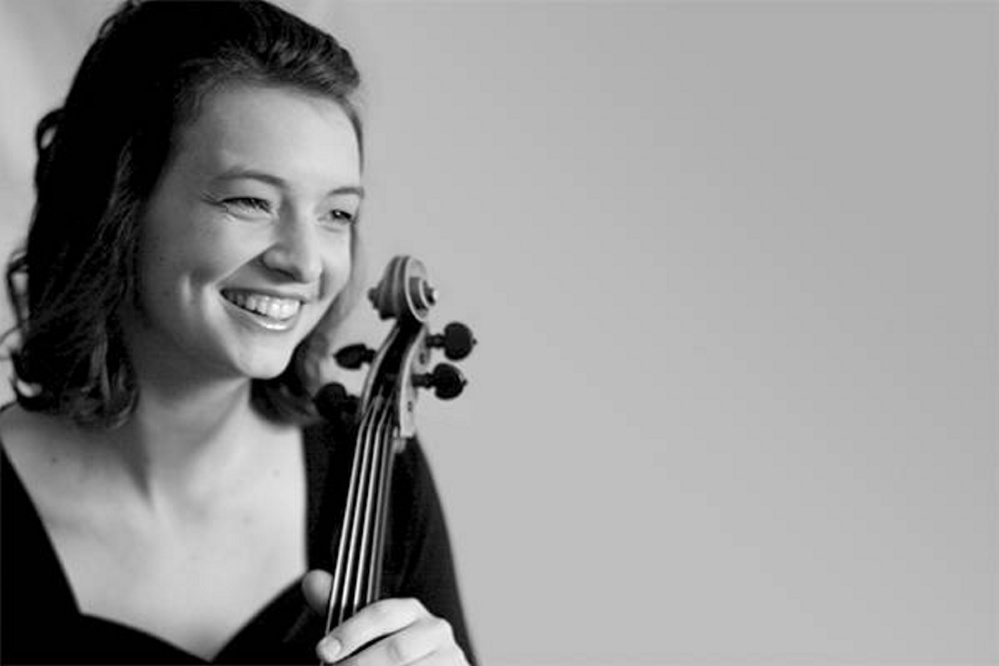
[
  {"x": 395, "y": 631},
  {"x": 379, "y": 619},
  {"x": 316, "y": 588},
  {"x": 399, "y": 631}
]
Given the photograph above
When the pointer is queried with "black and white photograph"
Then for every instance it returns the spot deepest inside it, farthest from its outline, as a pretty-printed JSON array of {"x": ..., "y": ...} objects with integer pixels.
[{"x": 499, "y": 332}]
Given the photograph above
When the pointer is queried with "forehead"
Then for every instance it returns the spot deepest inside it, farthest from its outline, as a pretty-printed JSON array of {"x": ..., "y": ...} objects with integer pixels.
[{"x": 294, "y": 135}]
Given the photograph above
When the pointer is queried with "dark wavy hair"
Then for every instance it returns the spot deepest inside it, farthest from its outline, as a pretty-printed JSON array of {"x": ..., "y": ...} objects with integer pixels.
[{"x": 99, "y": 158}]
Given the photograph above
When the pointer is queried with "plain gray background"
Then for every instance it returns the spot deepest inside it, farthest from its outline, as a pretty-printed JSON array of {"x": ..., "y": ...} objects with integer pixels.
[{"x": 733, "y": 270}]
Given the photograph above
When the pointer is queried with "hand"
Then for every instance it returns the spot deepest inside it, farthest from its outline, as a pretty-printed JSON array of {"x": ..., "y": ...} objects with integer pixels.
[{"x": 400, "y": 631}]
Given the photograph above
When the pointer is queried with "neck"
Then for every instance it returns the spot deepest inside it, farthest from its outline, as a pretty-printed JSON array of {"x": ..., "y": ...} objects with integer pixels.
[
  {"x": 194, "y": 432},
  {"x": 186, "y": 444}
]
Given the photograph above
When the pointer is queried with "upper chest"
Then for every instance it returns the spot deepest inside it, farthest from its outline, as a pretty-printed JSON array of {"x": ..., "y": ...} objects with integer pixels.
[
  {"x": 194, "y": 585},
  {"x": 191, "y": 574}
]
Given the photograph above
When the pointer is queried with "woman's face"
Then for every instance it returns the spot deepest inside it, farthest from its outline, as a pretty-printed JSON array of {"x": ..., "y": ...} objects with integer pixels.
[{"x": 246, "y": 239}]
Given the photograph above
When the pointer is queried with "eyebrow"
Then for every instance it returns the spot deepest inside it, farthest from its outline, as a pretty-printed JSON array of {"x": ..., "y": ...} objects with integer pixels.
[{"x": 239, "y": 173}]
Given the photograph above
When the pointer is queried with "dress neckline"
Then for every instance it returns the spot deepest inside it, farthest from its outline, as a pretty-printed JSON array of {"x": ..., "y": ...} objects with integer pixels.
[{"x": 315, "y": 469}]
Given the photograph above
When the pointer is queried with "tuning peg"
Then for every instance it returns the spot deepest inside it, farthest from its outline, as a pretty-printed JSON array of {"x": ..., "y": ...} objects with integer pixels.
[
  {"x": 353, "y": 357},
  {"x": 457, "y": 341},
  {"x": 446, "y": 380},
  {"x": 335, "y": 404}
]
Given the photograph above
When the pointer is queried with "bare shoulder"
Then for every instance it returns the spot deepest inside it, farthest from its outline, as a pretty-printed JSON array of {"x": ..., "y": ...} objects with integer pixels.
[
  {"x": 27, "y": 436},
  {"x": 41, "y": 448}
]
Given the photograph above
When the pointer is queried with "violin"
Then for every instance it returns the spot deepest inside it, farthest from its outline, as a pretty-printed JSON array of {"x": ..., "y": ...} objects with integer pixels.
[{"x": 385, "y": 422}]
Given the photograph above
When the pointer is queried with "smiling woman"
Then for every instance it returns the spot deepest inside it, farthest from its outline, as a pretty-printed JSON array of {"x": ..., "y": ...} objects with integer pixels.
[
  {"x": 170, "y": 493},
  {"x": 247, "y": 236}
]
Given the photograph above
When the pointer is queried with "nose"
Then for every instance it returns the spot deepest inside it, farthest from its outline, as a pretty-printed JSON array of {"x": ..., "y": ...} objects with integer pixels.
[{"x": 294, "y": 251}]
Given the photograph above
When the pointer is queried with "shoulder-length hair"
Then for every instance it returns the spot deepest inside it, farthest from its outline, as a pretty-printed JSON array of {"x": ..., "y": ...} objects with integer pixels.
[{"x": 99, "y": 157}]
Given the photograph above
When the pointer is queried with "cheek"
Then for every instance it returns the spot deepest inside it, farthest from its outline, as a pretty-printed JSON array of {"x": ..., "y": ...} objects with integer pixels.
[
  {"x": 198, "y": 255},
  {"x": 175, "y": 275},
  {"x": 162, "y": 267},
  {"x": 338, "y": 261},
  {"x": 157, "y": 265}
]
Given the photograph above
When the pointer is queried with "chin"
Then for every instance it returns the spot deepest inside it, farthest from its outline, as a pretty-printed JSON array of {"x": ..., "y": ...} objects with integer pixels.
[
  {"x": 269, "y": 373},
  {"x": 266, "y": 368}
]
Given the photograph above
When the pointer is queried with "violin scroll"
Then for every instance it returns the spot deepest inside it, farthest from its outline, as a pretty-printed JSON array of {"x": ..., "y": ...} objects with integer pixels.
[
  {"x": 404, "y": 291},
  {"x": 402, "y": 364}
]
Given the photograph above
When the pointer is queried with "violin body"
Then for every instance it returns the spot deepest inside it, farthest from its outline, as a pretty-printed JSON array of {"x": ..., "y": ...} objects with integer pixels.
[{"x": 385, "y": 423}]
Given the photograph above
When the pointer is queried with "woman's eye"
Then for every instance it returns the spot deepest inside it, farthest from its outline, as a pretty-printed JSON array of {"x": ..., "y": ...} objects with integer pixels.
[
  {"x": 244, "y": 204},
  {"x": 338, "y": 218}
]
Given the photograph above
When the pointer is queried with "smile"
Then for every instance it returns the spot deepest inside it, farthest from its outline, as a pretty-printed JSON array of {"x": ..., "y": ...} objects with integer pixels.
[{"x": 271, "y": 311}]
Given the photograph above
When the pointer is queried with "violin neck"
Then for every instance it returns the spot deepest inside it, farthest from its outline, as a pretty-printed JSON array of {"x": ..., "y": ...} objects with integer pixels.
[{"x": 360, "y": 551}]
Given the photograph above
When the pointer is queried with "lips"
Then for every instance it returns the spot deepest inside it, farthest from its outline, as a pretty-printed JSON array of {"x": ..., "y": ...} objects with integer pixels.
[{"x": 269, "y": 308}]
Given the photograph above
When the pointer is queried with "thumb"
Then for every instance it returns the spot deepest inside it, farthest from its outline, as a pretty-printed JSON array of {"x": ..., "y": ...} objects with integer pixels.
[{"x": 316, "y": 588}]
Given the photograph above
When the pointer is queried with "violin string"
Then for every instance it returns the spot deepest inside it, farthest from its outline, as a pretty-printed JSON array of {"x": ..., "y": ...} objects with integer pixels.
[
  {"x": 334, "y": 606},
  {"x": 362, "y": 510},
  {"x": 381, "y": 515},
  {"x": 339, "y": 565},
  {"x": 348, "y": 601},
  {"x": 381, "y": 512},
  {"x": 368, "y": 564}
]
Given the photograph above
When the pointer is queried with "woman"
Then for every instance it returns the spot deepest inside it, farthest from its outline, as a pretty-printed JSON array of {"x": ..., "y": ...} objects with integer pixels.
[{"x": 166, "y": 482}]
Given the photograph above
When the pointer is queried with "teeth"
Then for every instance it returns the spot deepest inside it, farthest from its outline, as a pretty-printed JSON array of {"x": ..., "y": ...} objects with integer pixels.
[{"x": 269, "y": 306}]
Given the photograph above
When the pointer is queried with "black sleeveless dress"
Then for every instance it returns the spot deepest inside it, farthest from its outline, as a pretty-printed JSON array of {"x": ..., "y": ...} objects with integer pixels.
[{"x": 40, "y": 622}]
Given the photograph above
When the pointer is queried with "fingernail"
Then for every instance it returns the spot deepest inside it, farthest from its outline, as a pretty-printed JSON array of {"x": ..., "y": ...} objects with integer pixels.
[{"x": 328, "y": 649}]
